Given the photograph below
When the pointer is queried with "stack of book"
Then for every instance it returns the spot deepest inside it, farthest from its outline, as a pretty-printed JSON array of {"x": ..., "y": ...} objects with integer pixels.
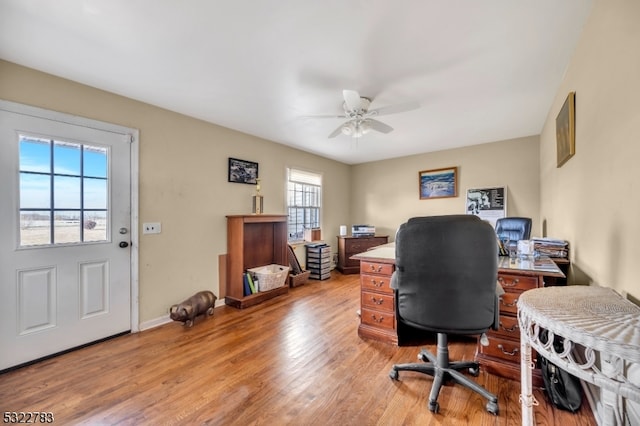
[
  {"x": 319, "y": 261},
  {"x": 250, "y": 285},
  {"x": 551, "y": 247}
]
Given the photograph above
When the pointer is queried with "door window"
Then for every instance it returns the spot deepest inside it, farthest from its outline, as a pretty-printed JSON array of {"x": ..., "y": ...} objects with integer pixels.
[{"x": 63, "y": 192}]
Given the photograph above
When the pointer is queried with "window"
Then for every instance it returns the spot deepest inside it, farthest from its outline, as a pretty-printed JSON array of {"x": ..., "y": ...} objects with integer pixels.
[
  {"x": 63, "y": 192},
  {"x": 304, "y": 202}
]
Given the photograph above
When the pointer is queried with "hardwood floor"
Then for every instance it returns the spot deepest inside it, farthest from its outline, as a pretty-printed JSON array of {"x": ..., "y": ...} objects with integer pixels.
[{"x": 295, "y": 359}]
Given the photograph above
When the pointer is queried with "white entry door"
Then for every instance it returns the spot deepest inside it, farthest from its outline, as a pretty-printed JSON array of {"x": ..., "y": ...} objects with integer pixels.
[{"x": 65, "y": 261}]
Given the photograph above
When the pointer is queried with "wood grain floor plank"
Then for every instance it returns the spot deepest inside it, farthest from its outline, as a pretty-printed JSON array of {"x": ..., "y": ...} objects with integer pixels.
[{"x": 292, "y": 360}]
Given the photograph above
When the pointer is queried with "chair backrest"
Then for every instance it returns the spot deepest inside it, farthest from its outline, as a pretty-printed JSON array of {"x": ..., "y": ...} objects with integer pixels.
[
  {"x": 446, "y": 272},
  {"x": 513, "y": 228}
]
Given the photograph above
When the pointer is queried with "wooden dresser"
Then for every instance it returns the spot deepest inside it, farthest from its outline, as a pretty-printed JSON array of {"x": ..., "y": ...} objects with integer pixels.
[
  {"x": 502, "y": 355},
  {"x": 350, "y": 246}
]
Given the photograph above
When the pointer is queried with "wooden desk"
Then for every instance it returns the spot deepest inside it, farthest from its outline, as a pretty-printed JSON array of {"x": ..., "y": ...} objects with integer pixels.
[
  {"x": 378, "y": 307},
  {"x": 605, "y": 326}
]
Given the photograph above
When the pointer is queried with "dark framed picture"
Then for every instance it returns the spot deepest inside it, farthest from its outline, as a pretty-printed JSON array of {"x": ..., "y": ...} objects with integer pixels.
[
  {"x": 566, "y": 130},
  {"x": 438, "y": 183},
  {"x": 242, "y": 171}
]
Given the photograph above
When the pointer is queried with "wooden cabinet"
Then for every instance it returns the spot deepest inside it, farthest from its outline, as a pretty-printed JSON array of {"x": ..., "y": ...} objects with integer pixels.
[
  {"x": 252, "y": 241},
  {"x": 377, "y": 302},
  {"x": 350, "y": 246}
]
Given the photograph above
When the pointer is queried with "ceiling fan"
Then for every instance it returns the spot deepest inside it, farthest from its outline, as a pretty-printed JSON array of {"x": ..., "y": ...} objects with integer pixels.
[{"x": 359, "y": 117}]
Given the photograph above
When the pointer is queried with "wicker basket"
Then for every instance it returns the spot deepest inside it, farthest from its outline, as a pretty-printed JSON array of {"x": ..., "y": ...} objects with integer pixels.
[
  {"x": 270, "y": 276},
  {"x": 299, "y": 279}
]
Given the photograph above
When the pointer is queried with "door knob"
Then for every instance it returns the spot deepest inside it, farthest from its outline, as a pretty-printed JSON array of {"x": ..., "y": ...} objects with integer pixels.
[{"x": 123, "y": 244}]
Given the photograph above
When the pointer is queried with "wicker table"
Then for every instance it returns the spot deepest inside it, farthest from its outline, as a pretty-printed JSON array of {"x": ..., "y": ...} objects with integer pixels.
[{"x": 596, "y": 321}]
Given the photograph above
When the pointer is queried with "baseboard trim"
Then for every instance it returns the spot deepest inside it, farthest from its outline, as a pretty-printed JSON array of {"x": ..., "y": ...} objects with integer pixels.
[
  {"x": 164, "y": 319},
  {"x": 156, "y": 322}
]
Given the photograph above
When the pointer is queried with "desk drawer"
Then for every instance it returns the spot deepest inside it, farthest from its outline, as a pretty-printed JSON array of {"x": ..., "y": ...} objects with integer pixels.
[
  {"x": 378, "y": 301},
  {"x": 359, "y": 245},
  {"x": 506, "y": 349},
  {"x": 508, "y": 328},
  {"x": 508, "y": 303},
  {"x": 380, "y": 283},
  {"x": 386, "y": 320},
  {"x": 517, "y": 282},
  {"x": 376, "y": 268}
]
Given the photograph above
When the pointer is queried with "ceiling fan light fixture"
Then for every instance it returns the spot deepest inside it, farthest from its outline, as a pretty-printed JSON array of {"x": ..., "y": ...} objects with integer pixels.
[{"x": 356, "y": 129}]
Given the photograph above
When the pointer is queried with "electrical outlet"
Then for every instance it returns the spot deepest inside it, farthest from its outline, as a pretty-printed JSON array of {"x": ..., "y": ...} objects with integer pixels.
[{"x": 151, "y": 228}]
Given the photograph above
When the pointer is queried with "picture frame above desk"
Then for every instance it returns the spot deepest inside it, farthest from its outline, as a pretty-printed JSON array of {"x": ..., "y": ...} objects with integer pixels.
[{"x": 566, "y": 130}]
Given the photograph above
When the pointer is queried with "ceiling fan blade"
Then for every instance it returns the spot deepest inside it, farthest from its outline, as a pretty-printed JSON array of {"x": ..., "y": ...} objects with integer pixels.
[
  {"x": 323, "y": 116},
  {"x": 394, "y": 109},
  {"x": 351, "y": 99},
  {"x": 336, "y": 132},
  {"x": 378, "y": 125}
]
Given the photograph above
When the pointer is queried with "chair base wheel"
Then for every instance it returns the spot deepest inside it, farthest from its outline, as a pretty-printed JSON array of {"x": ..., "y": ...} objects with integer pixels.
[
  {"x": 393, "y": 374},
  {"x": 492, "y": 407},
  {"x": 434, "y": 407},
  {"x": 474, "y": 371}
]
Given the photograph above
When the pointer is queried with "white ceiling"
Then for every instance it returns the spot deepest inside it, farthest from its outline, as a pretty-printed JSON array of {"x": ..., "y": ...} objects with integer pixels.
[{"x": 482, "y": 71}]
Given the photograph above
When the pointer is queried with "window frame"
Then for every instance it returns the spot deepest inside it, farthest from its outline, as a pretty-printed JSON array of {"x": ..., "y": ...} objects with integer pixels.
[
  {"x": 53, "y": 209},
  {"x": 310, "y": 192}
]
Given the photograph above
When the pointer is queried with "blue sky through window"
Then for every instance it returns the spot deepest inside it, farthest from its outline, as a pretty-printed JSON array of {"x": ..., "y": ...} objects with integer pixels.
[{"x": 35, "y": 168}]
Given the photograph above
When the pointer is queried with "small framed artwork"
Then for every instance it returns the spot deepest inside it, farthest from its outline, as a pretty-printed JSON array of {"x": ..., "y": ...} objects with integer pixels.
[
  {"x": 438, "y": 183},
  {"x": 243, "y": 171},
  {"x": 566, "y": 130}
]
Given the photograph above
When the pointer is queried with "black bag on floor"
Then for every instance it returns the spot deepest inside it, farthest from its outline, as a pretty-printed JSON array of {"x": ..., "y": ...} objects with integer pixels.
[{"x": 563, "y": 389}]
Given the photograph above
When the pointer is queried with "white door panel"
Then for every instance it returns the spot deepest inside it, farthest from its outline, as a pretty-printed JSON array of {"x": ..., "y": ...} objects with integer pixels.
[{"x": 64, "y": 279}]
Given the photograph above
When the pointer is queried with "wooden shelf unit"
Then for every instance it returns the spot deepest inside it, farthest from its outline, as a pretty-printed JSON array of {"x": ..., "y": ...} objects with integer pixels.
[{"x": 252, "y": 241}]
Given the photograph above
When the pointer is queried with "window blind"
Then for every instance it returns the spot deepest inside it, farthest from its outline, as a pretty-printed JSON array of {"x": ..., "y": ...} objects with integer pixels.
[{"x": 303, "y": 176}]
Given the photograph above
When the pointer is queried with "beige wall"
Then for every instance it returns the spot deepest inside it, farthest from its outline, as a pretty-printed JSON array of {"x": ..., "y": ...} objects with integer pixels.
[
  {"x": 385, "y": 193},
  {"x": 592, "y": 200},
  {"x": 183, "y": 181}
]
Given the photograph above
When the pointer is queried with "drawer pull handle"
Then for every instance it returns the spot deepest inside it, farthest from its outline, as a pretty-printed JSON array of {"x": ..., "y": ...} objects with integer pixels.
[
  {"x": 510, "y": 329},
  {"x": 503, "y": 283},
  {"x": 378, "y": 269},
  {"x": 512, "y": 353},
  {"x": 376, "y": 319},
  {"x": 377, "y": 301},
  {"x": 515, "y": 302},
  {"x": 377, "y": 283}
]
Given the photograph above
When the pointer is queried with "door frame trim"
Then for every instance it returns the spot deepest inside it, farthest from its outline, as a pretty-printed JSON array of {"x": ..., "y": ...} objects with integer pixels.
[{"x": 134, "y": 135}]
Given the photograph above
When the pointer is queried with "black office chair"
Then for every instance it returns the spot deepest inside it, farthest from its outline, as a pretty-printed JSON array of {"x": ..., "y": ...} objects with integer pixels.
[
  {"x": 445, "y": 281},
  {"x": 513, "y": 228}
]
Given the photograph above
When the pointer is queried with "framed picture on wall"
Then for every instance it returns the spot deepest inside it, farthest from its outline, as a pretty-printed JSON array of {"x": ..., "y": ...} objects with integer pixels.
[
  {"x": 489, "y": 204},
  {"x": 438, "y": 183},
  {"x": 566, "y": 130},
  {"x": 242, "y": 171}
]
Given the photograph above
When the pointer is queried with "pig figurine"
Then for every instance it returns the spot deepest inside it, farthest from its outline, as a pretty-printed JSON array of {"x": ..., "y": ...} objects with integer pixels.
[{"x": 198, "y": 304}]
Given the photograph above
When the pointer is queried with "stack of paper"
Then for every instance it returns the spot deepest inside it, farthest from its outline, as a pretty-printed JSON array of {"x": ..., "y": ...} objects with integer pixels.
[{"x": 551, "y": 247}]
